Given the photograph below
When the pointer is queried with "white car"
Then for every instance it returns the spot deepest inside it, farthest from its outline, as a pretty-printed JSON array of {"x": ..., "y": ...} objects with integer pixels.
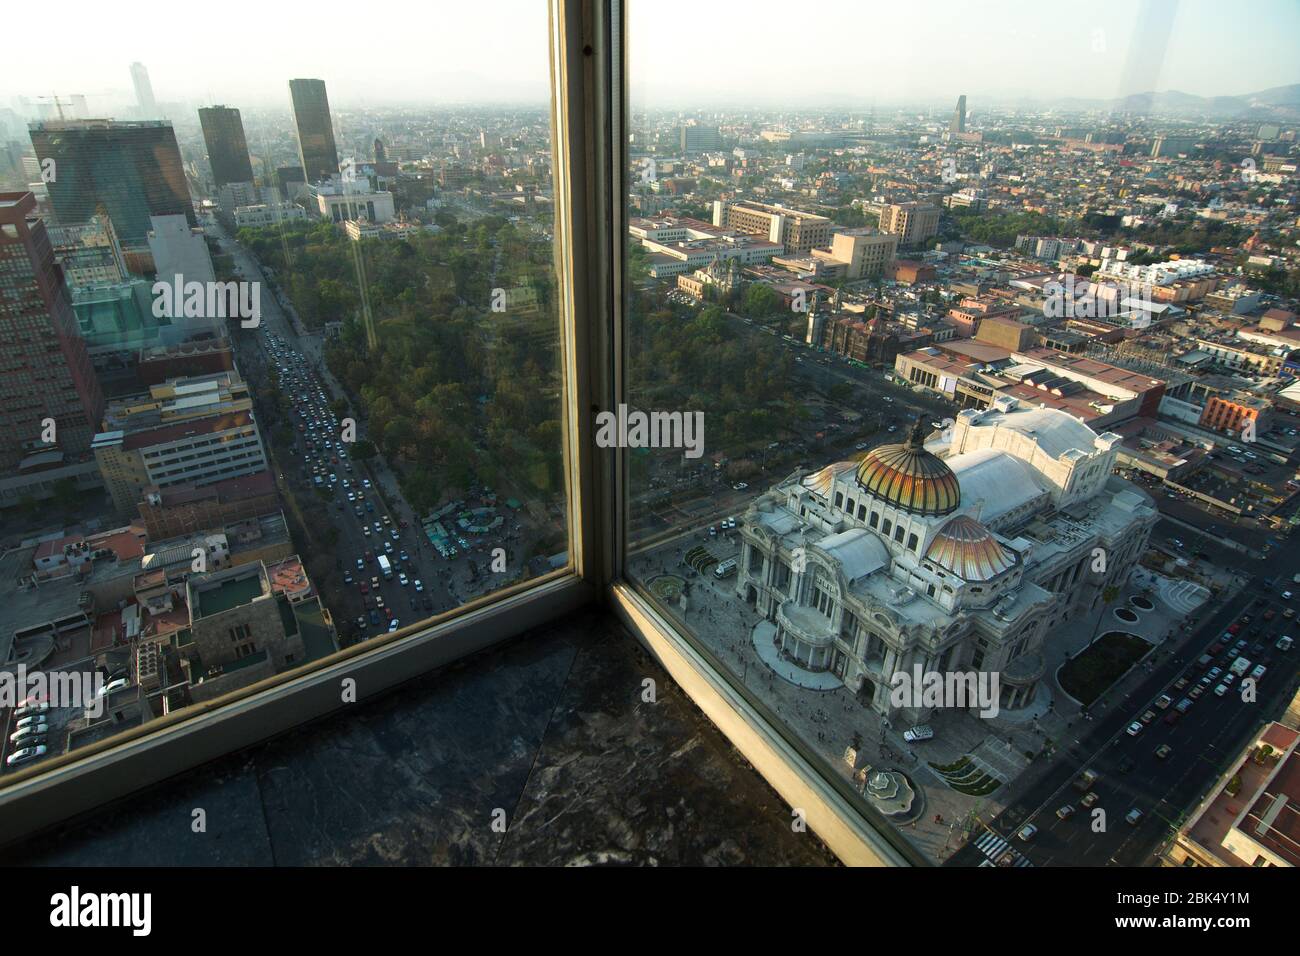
[
  {"x": 31, "y": 730},
  {"x": 113, "y": 687},
  {"x": 1135, "y": 728},
  {"x": 24, "y": 755},
  {"x": 419, "y": 586}
]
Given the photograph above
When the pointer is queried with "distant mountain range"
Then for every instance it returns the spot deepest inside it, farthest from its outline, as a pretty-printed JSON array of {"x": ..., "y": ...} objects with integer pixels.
[{"x": 1278, "y": 99}]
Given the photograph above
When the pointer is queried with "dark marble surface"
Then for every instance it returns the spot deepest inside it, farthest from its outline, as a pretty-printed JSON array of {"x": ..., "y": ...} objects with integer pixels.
[{"x": 548, "y": 733}]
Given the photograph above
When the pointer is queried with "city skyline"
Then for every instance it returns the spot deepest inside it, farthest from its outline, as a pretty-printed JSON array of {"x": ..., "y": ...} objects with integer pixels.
[{"x": 1184, "y": 47}]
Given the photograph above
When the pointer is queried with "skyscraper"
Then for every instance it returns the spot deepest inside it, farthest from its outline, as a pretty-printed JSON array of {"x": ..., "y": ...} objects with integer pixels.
[
  {"x": 46, "y": 374},
  {"x": 959, "y": 116},
  {"x": 311, "y": 116},
  {"x": 130, "y": 170},
  {"x": 223, "y": 132},
  {"x": 143, "y": 91}
]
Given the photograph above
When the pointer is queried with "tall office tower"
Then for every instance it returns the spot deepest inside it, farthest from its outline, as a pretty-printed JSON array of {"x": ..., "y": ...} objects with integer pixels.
[
  {"x": 129, "y": 170},
  {"x": 143, "y": 91},
  {"x": 45, "y": 371},
  {"x": 311, "y": 116},
  {"x": 380, "y": 155},
  {"x": 959, "y": 116},
  {"x": 223, "y": 132}
]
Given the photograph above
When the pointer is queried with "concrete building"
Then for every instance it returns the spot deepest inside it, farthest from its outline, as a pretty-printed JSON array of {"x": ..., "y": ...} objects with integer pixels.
[
  {"x": 184, "y": 432},
  {"x": 252, "y": 621},
  {"x": 698, "y": 139},
  {"x": 1249, "y": 816},
  {"x": 88, "y": 252},
  {"x": 337, "y": 201},
  {"x": 797, "y": 232},
  {"x": 956, "y": 555},
  {"x": 912, "y": 222},
  {"x": 681, "y": 246},
  {"x": 179, "y": 250},
  {"x": 864, "y": 253},
  {"x": 268, "y": 214},
  {"x": 50, "y": 399}
]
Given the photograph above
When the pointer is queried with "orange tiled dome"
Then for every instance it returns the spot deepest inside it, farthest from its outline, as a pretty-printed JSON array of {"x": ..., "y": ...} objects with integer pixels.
[
  {"x": 909, "y": 477},
  {"x": 968, "y": 549}
]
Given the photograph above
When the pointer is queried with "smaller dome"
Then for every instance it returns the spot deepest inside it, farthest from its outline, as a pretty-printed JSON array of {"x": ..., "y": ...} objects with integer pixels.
[{"x": 968, "y": 549}]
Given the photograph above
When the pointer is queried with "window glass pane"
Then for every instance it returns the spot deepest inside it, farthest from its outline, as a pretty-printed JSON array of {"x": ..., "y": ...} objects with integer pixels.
[
  {"x": 279, "y": 345},
  {"x": 924, "y": 338}
]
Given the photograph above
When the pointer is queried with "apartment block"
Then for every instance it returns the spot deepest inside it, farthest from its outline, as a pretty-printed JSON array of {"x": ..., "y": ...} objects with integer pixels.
[{"x": 912, "y": 222}]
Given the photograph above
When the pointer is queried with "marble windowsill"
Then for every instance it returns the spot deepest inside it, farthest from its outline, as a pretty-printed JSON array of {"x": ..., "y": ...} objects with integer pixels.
[{"x": 551, "y": 729}]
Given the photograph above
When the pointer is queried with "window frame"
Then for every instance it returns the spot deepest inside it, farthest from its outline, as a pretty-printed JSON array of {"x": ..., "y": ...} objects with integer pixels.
[{"x": 828, "y": 804}]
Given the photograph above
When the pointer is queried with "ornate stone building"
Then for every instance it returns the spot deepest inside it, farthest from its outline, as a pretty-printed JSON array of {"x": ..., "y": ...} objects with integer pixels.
[{"x": 957, "y": 554}]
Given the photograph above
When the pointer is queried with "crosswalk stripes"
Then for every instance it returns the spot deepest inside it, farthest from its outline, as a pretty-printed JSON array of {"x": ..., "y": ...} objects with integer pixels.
[
  {"x": 995, "y": 847},
  {"x": 991, "y": 845}
]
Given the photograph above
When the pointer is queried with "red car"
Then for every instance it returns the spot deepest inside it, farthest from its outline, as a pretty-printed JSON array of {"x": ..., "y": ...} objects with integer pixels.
[{"x": 365, "y": 588}]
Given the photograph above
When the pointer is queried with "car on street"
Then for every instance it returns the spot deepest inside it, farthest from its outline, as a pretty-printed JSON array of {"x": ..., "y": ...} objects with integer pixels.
[{"x": 1134, "y": 729}]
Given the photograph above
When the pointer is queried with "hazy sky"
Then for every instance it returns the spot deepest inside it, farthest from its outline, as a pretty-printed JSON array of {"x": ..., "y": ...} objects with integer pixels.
[{"x": 682, "y": 53}]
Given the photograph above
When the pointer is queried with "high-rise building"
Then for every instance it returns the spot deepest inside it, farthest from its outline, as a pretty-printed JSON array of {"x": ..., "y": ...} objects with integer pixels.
[
  {"x": 959, "y": 116},
  {"x": 311, "y": 117},
  {"x": 143, "y": 91},
  {"x": 130, "y": 171},
  {"x": 45, "y": 371},
  {"x": 223, "y": 132},
  {"x": 912, "y": 222}
]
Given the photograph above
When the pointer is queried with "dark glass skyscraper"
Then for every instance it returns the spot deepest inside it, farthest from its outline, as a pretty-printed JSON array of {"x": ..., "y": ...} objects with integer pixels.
[
  {"x": 311, "y": 116},
  {"x": 959, "y": 116},
  {"x": 223, "y": 132},
  {"x": 131, "y": 170}
]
